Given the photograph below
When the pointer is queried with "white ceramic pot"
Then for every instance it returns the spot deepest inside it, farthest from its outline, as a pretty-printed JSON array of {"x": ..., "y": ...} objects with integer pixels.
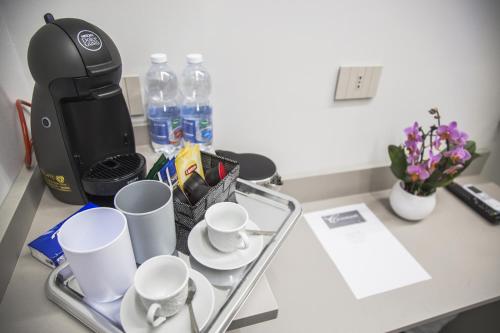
[{"x": 409, "y": 206}]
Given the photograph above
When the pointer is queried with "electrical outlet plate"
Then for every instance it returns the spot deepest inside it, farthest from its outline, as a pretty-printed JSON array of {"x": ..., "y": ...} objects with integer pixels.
[
  {"x": 131, "y": 87},
  {"x": 357, "y": 82},
  {"x": 123, "y": 86}
]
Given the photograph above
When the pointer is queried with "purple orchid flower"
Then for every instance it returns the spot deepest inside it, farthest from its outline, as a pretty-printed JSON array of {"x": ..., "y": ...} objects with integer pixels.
[
  {"x": 417, "y": 172},
  {"x": 434, "y": 155},
  {"x": 458, "y": 155},
  {"x": 413, "y": 133},
  {"x": 460, "y": 139},
  {"x": 437, "y": 142},
  {"x": 412, "y": 159},
  {"x": 413, "y": 151},
  {"x": 448, "y": 132},
  {"x": 433, "y": 161}
]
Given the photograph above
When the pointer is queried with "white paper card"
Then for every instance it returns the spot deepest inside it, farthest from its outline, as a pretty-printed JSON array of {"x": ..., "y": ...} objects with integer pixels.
[{"x": 369, "y": 257}]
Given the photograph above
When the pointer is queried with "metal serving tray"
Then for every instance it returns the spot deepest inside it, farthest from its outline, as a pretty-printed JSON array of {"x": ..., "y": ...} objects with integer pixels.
[{"x": 270, "y": 210}]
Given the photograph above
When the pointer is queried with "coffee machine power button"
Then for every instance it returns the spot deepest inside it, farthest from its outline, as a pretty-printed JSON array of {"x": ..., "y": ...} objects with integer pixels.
[{"x": 46, "y": 122}]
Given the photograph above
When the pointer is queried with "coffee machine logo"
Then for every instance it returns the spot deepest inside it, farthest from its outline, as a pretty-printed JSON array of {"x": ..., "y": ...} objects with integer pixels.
[{"x": 89, "y": 40}]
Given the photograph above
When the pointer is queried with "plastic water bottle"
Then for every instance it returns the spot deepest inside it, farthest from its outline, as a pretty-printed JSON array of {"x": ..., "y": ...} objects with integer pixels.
[
  {"x": 195, "y": 110},
  {"x": 164, "y": 120}
]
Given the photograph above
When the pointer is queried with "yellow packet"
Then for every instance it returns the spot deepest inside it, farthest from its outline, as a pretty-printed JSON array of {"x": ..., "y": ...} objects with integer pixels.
[{"x": 187, "y": 161}]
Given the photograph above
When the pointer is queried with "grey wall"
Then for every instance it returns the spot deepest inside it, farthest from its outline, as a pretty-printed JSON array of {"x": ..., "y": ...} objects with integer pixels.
[
  {"x": 13, "y": 85},
  {"x": 492, "y": 167},
  {"x": 274, "y": 67}
]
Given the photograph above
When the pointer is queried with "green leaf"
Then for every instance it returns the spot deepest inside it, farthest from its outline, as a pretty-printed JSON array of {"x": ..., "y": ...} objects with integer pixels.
[
  {"x": 438, "y": 178},
  {"x": 398, "y": 161},
  {"x": 470, "y": 146},
  {"x": 430, "y": 184},
  {"x": 446, "y": 180}
]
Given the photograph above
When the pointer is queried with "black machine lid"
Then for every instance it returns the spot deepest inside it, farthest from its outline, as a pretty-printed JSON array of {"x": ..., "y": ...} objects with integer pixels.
[
  {"x": 253, "y": 167},
  {"x": 87, "y": 39},
  {"x": 63, "y": 47}
]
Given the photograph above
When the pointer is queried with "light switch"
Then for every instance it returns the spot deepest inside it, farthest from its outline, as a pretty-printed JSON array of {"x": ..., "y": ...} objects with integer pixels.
[{"x": 357, "y": 82}]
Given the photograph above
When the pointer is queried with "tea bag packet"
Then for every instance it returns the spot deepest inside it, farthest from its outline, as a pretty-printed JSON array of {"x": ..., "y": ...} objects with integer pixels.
[
  {"x": 164, "y": 170},
  {"x": 168, "y": 173},
  {"x": 188, "y": 161},
  {"x": 159, "y": 164}
]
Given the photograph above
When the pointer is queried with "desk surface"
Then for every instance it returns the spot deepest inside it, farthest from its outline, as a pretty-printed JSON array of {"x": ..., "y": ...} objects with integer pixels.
[
  {"x": 456, "y": 246},
  {"x": 459, "y": 249}
]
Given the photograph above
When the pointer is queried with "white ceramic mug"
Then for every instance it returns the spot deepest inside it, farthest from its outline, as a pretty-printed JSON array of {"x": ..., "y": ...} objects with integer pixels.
[
  {"x": 97, "y": 245},
  {"x": 226, "y": 222},
  {"x": 162, "y": 285},
  {"x": 149, "y": 209}
]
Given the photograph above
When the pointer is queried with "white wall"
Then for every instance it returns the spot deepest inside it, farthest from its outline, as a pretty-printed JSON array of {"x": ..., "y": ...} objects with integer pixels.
[
  {"x": 492, "y": 167},
  {"x": 274, "y": 65},
  {"x": 13, "y": 85}
]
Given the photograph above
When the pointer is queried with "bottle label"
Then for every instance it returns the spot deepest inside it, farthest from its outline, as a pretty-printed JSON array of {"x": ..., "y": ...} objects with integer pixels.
[
  {"x": 197, "y": 130},
  {"x": 165, "y": 131}
]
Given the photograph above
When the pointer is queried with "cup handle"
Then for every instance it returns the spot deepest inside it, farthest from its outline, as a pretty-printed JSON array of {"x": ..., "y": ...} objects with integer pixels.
[
  {"x": 153, "y": 319},
  {"x": 245, "y": 241}
]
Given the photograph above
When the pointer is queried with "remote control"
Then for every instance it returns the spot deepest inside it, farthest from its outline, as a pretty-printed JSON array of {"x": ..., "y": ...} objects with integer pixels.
[{"x": 481, "y": 202}]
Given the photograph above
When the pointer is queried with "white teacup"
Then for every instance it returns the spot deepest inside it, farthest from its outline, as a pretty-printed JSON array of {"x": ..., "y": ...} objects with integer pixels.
[
  {"x": 162, "y": 285},
  {"x": 226, "y": 222}
]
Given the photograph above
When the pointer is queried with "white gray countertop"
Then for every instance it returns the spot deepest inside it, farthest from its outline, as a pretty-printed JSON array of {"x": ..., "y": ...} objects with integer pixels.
[{"x": 456, "y": 246}]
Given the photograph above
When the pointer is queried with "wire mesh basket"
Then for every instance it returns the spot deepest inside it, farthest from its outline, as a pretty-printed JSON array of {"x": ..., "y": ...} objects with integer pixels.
[{"x": 187, "y": 216}]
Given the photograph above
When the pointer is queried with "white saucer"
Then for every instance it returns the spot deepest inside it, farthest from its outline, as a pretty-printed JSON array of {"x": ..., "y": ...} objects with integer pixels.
[
  {"x": 218, "y": 278},
  {"x": 133, "y": 314},
  {"x": 207, "y": 255}
]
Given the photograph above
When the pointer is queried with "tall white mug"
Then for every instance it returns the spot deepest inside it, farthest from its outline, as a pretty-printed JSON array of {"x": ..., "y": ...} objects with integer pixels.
[{"x": 97, "y": 245}]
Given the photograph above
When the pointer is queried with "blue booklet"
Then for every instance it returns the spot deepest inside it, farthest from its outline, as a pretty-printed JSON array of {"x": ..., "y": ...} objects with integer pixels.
[{"x": 46, "y": 248}]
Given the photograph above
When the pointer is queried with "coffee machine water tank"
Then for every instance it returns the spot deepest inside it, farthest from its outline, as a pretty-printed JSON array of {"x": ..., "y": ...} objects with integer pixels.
[{"x": 81, "y": 127}]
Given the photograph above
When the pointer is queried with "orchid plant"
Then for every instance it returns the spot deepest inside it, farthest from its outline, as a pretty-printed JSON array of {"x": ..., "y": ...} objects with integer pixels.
[{"x": 431, "y": 159}]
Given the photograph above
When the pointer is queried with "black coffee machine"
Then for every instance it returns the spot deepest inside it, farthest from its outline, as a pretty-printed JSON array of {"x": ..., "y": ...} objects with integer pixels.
[{"x": 81, "y": 127}]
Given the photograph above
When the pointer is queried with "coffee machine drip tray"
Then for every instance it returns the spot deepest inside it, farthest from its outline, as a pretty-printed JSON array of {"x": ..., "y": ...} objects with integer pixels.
[{"x": 108, "y": 176}]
